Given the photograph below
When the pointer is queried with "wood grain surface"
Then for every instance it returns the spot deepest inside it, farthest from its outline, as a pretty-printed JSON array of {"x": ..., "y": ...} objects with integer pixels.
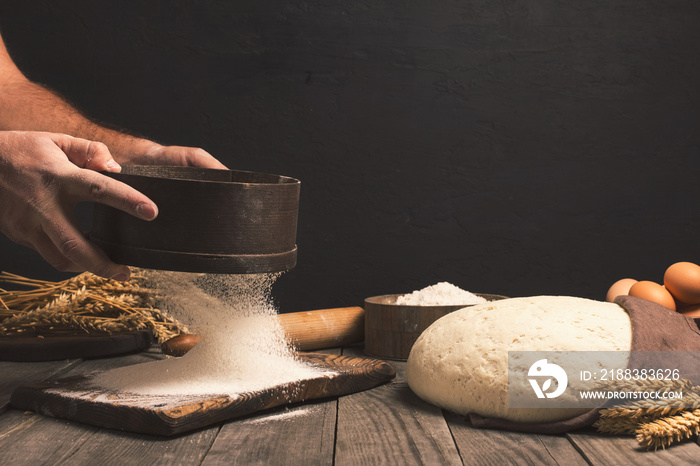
[
  {"x": 385, "y": 425},
  {"x": 30, "y": 438},
  {"x": 15, "y": 374},
  {"x": 303, "y": 434},
  {"x": 324, "y": 328},
  {"x": 74, "y": 399},
  {"x": 71, "y": 345}
]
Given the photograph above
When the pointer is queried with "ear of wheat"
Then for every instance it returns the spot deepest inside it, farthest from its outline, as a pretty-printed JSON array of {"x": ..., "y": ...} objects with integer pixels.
[
  {"x": 656, "y": 422},
  {"x": 84, "y": 303},
  {"x": 667, "y": 430}
]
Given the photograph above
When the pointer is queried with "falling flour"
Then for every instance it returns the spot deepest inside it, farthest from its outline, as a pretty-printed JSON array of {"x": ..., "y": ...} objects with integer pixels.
[
  {"x": 243, "y": 347},
  {"x": 440, "y": 294}
]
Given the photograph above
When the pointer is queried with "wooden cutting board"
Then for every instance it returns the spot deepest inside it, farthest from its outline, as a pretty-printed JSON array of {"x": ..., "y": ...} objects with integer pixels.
[{"x": 71, "y": 398}]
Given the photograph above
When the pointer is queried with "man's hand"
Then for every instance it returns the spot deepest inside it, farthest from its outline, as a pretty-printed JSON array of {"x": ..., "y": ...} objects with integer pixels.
[
  {"x": 42, "y": 177},
  {"x": 150, "y": 153}
]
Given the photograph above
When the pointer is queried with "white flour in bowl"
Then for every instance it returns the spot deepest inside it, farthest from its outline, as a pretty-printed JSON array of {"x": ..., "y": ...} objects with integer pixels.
[{"x": 440, "y": 294}]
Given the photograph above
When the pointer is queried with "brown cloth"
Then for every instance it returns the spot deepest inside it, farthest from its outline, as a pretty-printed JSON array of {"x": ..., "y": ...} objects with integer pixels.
[{"x": 654, "y": 328}]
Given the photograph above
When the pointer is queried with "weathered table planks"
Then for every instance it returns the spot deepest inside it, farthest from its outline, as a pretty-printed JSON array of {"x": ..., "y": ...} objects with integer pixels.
[
  {"x": 385, "y": 425},
  {"x": 75, "y": 399}
]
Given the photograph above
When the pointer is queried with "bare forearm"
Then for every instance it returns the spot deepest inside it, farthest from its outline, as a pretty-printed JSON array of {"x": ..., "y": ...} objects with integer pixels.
[{"x": 28, "y": 106}]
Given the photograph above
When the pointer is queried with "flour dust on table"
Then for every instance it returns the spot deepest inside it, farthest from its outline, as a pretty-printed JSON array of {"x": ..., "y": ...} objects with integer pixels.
[{"x": 243, "y": 346}]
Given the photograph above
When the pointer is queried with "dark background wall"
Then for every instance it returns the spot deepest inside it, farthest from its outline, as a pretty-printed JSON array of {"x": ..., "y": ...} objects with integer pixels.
[{"x": 511, "y": 147}]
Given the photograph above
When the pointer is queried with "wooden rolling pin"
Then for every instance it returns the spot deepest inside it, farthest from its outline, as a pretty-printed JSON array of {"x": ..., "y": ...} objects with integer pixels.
[
  {"x": 309, "y": 330},
  {"x": 325, "y": 328}
]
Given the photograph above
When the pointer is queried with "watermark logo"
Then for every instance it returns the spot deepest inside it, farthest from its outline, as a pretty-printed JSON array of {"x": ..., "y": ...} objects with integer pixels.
[
  {"x": 589, "y": 379},
  {"x": 542, "y": 368}
]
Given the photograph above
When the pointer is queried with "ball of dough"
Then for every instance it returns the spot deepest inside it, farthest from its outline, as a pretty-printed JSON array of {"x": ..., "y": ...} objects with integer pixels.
[{"x": 460, "y": 362}]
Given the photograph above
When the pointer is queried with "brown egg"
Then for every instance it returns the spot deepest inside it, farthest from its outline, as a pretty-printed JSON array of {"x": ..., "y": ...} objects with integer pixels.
[
  {"x": 620, "y": 287},
  {"x": 682, "y": 279},
  {"x": 653, "y": 292}
]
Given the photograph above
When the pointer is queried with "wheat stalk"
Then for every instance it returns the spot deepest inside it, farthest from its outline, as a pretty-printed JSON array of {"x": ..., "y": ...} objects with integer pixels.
[
  {"x": 664, "y": 432},
  {"x": 85, "y": 303},
  {"x": 656, "y": 422}
]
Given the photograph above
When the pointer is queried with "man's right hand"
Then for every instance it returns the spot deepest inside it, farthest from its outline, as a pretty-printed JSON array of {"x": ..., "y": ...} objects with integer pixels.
[{"x": 42, "y": 177}]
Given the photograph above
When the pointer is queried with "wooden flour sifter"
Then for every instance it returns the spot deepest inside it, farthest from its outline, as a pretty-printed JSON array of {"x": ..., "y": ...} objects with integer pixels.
[{"x": 209, "y": 221}]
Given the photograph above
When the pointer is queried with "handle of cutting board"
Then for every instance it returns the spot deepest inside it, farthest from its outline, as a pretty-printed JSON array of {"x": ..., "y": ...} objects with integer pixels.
[{"x": 308, "y": 330}]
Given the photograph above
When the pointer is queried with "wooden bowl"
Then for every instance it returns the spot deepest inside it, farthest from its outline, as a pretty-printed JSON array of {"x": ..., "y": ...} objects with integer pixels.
[
  {"x": 214, "y": 221},
  {"x": 391, "y": 329}
]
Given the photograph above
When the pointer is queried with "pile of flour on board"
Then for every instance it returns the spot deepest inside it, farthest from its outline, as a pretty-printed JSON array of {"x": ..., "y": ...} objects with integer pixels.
[
  {"x": 440, "y": 294},
  {"x": 243, "y": 347}
]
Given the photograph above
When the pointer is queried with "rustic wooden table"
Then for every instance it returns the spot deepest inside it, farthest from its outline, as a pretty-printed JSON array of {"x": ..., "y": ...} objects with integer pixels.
[{"x": 385, "y": 425}]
